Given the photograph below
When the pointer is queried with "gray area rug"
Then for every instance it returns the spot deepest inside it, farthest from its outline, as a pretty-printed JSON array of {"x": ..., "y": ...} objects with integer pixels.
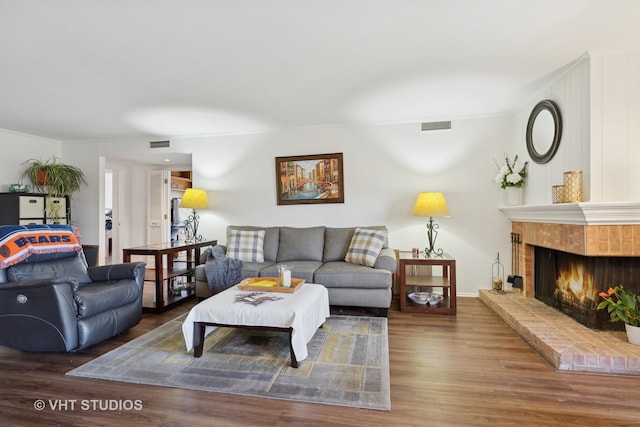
[{"x": 348, "y": 363}]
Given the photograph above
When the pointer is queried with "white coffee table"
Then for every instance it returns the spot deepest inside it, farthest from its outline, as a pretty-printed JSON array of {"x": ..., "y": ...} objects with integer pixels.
[{"x": 299, "y": 314}]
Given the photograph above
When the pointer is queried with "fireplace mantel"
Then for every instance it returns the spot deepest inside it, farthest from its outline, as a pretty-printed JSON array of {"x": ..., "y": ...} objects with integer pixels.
[{"x": 588, "y": 213}]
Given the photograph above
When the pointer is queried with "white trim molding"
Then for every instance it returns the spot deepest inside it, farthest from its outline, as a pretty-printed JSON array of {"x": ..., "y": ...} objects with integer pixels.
[{"x": 604, "y": 213}]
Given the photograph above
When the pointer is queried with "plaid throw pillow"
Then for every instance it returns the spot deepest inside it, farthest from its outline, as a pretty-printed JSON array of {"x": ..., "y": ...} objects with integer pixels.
[
  {"x": 365, "y": 246},
  {"x": 246, "y": 245}
]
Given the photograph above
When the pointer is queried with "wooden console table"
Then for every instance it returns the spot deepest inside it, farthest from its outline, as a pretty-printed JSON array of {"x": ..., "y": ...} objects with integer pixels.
[{"x": 162, "y": 298}]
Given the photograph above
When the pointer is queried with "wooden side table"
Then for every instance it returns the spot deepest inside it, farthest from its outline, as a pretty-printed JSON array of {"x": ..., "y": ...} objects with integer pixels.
[
  {"x": 416, "y": 274},
  {"x": 160, "y": 300}
]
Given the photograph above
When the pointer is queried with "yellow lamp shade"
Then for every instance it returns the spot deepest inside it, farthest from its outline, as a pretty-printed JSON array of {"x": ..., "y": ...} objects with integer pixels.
[
  {"x": 430, "y": 204},
  {"x": 194, "y": 198}
]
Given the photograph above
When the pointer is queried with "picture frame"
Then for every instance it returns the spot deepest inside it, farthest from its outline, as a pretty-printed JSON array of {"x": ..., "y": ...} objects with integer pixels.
[{"x": 310, "y": 179}]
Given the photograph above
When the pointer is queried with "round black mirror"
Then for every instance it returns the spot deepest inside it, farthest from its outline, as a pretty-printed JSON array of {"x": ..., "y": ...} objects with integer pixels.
[{"x": 544, "y": 130}]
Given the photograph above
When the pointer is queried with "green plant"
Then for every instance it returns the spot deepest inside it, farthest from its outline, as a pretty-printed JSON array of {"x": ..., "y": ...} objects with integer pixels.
[
  {"x": 621, "y": 305},
  {"x": 510, "y": 174},
  {"x": 59, "y": 179},
  {"x": 55, "y": 179}
]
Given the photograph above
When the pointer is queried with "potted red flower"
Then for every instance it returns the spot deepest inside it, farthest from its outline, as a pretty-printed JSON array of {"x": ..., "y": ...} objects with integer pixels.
[{"x": 623, "y": 306}]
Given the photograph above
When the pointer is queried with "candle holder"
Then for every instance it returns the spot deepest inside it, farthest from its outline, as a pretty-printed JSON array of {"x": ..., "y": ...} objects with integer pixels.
[{"x": 573, "y": 189}]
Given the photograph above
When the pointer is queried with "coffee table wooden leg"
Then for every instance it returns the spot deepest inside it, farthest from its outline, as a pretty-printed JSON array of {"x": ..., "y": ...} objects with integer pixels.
[
  {"x": 198, "y": 338},
  {"x": 294, "y": 361}
]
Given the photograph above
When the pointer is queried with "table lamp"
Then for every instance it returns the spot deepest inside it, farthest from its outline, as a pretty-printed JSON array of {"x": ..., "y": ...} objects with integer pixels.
[
  {"x": 431, "y": 204},
  {"x": 194, "y": 198}
]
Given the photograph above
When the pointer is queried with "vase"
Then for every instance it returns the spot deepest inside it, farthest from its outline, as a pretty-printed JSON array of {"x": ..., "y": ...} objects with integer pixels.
[
  {"x": 513, "y": 196},
  {"x": 633, "y": 333}
]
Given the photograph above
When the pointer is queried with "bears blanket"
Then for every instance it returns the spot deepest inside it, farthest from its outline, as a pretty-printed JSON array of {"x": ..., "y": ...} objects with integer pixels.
[{"x": 19, "y": 242}]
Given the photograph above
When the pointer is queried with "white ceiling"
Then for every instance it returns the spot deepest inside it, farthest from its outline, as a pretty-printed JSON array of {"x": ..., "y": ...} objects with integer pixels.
[{"x": 84, "y": 69}]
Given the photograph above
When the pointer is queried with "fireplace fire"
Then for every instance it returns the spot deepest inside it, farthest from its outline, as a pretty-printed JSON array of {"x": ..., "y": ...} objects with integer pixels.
[{"x": 571, "y": 283}]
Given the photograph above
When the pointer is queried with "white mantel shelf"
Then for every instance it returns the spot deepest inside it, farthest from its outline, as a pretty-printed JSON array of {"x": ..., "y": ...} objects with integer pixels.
[{"x": 604, "y": 213}]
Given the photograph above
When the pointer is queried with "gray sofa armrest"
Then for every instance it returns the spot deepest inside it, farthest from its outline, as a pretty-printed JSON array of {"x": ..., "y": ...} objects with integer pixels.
[
  {"x": 387, "y": 260},
  {"x": 205, "y": 254},
  {"x": 130, "y": 270}
]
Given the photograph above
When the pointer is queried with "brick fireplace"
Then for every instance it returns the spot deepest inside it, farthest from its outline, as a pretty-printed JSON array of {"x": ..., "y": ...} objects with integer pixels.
[
  {"x": 587, "y": 229},
  {"x": 580, "y": 239},
  {"x": 587, "y": 240}
]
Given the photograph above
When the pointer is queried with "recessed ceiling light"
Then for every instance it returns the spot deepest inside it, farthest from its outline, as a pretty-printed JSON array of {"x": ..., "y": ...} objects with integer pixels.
[{"x": 167, "y": 160}]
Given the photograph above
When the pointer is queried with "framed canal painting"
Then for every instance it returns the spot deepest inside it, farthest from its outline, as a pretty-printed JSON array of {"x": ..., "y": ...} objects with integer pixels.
[{"x": 316, "y": 178}]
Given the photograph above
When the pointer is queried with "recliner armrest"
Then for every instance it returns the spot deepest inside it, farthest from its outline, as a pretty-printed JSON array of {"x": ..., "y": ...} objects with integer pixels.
[
  {"x": 130, "y": 270},
  {"x": 39, "y": 315},
  {"x": 34, "y": 284}
]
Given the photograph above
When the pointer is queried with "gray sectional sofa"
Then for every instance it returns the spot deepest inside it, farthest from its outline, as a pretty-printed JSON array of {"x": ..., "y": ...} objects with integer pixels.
[{"x": 317, "y": 255}]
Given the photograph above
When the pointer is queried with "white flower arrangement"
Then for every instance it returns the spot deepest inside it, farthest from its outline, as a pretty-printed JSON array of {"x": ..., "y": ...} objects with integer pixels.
[{"x": 511, "y": 174}]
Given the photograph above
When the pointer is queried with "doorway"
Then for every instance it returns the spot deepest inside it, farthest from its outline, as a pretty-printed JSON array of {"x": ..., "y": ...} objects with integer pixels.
[
  {"x": 126, "y": 181},
  {"x": 108, "y": 216},
  {"x": 113, "y": 214}
]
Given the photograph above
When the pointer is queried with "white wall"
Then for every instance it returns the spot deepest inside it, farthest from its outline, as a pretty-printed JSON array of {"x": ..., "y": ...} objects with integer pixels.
[
  {"x": 18, "y": 148},
  {"x": 95, "y": 158},
  {"x": 615, "y": 128},
  {"x": 87, "y": 205},
  {"x": 385, "y": 167},
  {"x": 570, "y": 91},
  {"x": 599, "y": 100}
]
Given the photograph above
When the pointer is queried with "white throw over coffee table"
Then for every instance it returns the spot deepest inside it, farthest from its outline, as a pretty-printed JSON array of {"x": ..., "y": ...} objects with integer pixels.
[{"x": 299, "y": 314}]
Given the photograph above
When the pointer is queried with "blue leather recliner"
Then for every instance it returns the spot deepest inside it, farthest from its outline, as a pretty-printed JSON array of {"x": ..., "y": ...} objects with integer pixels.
[{"x": 54, "y": 302}]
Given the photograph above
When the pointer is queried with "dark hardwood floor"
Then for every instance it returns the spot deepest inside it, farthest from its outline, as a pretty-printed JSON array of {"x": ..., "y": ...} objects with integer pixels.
[{"x": 470, "y": 369}]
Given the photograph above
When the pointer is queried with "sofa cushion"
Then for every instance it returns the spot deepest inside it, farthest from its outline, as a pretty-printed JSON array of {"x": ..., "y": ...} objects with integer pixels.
[
  {"x": 340, "y": 274},
  {"x": 296, "y": 244},
  {"x": 246, "y": 245},
  {"x": 254, "y": 269},
  {"x": 365, "y": 246},
  {"x": 299, "y": 270},
  {"x": 249, "y": 269},
  {"x": 73, "y": 266},
  {"x": 336, "y": 243},
  {"x": 271, "y": 239}
]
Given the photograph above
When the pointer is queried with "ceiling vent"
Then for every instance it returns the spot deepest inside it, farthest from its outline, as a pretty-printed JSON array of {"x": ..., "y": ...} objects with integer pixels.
[
  {"x": 160, "y": 144},
  {"x": 436, "y": 126}
]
